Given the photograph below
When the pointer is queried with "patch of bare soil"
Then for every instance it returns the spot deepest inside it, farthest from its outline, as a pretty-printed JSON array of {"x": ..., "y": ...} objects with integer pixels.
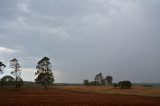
[{"x": 61, "y": 97}]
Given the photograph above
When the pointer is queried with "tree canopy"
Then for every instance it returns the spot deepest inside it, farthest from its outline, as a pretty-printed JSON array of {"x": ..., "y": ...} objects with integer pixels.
[
  {"x": 16, "y": 68},
  {"x": 2, "y": 66},
  {"x": 109, "y": 80}
]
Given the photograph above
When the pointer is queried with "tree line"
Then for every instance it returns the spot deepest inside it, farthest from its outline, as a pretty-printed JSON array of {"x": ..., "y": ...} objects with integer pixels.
[
  {"x": 44, "y": 73},
  {"x": 45, "y": 76}
]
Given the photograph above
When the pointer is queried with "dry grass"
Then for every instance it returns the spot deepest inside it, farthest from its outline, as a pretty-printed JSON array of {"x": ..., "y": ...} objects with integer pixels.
[{"x": 141, "y": 91}]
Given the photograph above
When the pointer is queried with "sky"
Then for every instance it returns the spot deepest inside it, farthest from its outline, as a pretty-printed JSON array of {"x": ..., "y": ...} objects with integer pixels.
[{"x": 82, "y": 38}]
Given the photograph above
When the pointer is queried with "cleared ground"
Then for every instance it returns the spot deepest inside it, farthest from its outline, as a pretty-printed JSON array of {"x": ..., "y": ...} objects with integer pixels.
[{"x": 60, "y": 96}]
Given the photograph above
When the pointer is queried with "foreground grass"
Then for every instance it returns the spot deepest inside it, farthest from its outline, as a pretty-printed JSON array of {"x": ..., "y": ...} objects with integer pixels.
[{"x": 141, "y": 91}]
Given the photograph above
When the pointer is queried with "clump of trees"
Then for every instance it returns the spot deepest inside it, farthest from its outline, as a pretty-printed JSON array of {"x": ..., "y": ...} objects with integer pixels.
[
  {"x": 123, "y": 85},
  {"x": 9, "y": 81},
  {"x": 44, "y": 72},
  {"x": 99, "y": 80}
]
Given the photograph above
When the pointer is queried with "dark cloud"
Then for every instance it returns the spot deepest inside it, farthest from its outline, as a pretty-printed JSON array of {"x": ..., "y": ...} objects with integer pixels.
[{"x": 83, "y": 38}]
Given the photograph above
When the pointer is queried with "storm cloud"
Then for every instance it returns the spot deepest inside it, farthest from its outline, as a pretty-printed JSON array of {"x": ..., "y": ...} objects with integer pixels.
[{"x": 83, "y": 37}]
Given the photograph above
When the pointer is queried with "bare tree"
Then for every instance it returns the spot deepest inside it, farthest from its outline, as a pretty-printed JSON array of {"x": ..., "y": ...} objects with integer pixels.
[{"x": 16, "y": 70}]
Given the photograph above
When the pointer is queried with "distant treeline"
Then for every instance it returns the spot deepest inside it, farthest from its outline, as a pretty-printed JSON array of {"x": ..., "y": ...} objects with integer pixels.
[{"x": 147, "y": 84}]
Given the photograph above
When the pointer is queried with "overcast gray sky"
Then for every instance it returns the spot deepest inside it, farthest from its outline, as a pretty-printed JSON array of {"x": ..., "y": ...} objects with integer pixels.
[{"x": 83, "y": 37}]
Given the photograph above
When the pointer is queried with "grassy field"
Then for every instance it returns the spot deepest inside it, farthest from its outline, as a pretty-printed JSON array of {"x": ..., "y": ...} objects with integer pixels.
[{"x": 141, "y": 91}]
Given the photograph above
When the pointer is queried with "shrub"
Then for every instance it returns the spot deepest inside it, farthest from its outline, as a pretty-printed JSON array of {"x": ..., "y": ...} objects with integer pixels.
[
  {"x": 7, "y": 81},
  {"x": 115, "y": 85}
]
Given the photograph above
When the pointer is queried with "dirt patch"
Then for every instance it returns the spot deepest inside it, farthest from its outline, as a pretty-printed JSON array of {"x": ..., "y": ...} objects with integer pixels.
[{"x": 61, "y": 97}]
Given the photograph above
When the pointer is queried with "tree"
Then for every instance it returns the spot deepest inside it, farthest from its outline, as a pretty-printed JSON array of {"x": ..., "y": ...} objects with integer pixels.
[
  {"x": 109, "y": 80},
  {"x": 125, "y": 84},
  {"x": 115, "y": 85},
  {"x": 44, "y": 72},
  {"x": 19, "y": 82},
  {"x": 16, "y": 70},
  {"x": 99, "y": 79},
  {"x": 2, "y": 66}
]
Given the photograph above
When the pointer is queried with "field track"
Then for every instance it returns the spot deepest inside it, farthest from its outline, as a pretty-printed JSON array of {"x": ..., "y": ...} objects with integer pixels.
[{"x": 61, "y": 97}]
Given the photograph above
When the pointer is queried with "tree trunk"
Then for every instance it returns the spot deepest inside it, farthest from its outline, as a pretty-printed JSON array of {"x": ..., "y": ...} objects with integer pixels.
[
  {"x": 45, "y": 85},
  {"x": 16, "y": 82}
]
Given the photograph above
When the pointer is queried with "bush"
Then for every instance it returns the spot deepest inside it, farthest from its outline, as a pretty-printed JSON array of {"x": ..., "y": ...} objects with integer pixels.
[
  {"x": 7, "y": 81},
  {"x": 94, "y": 83},
  {"x": 115, "y": 85},
  {"x": 125, "y": 84},
  {"x": 86, "y": 82}
]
